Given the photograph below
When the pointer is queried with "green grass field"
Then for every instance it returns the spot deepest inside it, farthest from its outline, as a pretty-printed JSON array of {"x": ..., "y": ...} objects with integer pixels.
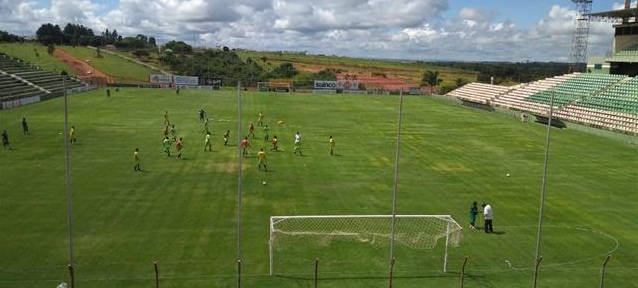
[{"x": 183, "y": 214}]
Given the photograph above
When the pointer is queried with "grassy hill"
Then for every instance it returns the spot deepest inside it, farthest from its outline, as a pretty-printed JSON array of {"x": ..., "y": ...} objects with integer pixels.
[
  {"x": 372, "y": 72},
  {"x": 124, "y": 71},
  {"x": 37, "y": 54},
  {"x": 183, "y": 214},
  {"x": 409, "y": 71}
]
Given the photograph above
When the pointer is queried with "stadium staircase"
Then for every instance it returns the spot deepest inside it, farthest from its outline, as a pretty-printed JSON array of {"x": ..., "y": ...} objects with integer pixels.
[
  {"x": 22, "y": 80},
  {"x": 603, "y": 101}
]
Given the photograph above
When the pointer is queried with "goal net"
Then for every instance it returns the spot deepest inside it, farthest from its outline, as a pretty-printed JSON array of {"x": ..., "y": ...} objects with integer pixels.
[{"x": 411, "y": 231}]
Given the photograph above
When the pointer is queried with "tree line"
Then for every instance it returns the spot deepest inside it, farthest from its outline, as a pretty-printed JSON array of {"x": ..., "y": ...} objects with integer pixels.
[
  {"x": 79, "y": 35},
  {"x": 227, "y": 65}
]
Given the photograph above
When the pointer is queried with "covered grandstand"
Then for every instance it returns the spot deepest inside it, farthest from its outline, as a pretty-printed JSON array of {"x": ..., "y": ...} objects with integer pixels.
[{"x": 21, "y": 83}]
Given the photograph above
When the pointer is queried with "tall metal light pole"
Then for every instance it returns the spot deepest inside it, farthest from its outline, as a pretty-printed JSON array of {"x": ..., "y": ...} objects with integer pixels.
[
  {"x": 69, "y": 206},
  {"x": 537, "y": 256},
  {"x": 396, "y": 185}
]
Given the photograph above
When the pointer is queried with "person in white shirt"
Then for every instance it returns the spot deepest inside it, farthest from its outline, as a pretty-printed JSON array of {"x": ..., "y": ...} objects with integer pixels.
[
  {"x": 297, "y": 144},
  {"x": 488, "y": 217}
]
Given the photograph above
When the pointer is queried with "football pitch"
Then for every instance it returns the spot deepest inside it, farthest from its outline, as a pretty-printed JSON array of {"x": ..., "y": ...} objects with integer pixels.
[{"x": 182, "y": 214}]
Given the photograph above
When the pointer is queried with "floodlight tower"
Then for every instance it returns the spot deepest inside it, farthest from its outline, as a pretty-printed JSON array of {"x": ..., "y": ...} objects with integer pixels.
[{"x": 578, "y": 55}]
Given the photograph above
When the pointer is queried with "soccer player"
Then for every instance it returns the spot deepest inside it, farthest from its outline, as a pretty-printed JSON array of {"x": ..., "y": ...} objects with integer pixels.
[
  {"x": 251, "y": 130},
  {"x": 275, "y": 147},
  {"x": 202, "y": 114},
  {"x": 5, "y": 140},
  {"x": 473, "y": 212},
  {"x": 166, "y": 121},
  {"x": 166, "y": 144},
  {"x": 331, "y": 143},
  {"x": 261, "y": 155},
  {"x": 297, "y": 144},
  {"x": 487, "y": 214},
  {"x": 266, "y": 133},
  {"x": 260, "y": 122},
  {"x": 172, "y": 131},
  {"x": 206, "y": 129},
  {"x": 25, "y": 126},
  {"x": 207, "y": 143},
  {"x": 178, "y": 146},
  {"x": 226, "y": 136},
  {"x": 136, "y": 160},
  {"x": 72, "y": 135},
  {"x": 244, "y": 146}
]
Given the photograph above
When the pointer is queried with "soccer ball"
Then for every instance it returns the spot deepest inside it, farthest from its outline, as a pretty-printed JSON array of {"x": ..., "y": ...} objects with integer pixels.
[
  {"x": 264, "y": 183},
  {"x": 508, "y": 174}
]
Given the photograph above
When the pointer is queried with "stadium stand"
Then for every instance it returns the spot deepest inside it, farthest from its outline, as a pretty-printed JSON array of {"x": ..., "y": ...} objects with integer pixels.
[
  {"x": 479, "y": 92},
  {"x": 604, "y": 101},
  {"x": 21, "y": 80}
]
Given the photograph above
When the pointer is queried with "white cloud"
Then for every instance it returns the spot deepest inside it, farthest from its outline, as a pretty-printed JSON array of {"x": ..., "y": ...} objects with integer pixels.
[{"x": 407, "y": 29}]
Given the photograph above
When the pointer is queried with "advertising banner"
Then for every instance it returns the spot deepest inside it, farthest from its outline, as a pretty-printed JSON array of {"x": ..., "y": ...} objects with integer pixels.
[
  {"x": 336, "y": 85},
  {"x": 160, "y": 79},
  {"x": 185, "y": 80}
]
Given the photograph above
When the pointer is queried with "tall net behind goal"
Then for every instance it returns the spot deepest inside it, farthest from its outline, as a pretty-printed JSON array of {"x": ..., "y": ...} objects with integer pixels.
[{"x": 419, "y": 232}]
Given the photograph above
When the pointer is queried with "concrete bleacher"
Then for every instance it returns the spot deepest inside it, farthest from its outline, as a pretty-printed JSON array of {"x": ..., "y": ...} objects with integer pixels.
[
  {"x": 599, "y": 100},
  {"x": 516, "y": 99},
  {"x": 20, "y": 80},
  {"x": 479, "y": 92}
]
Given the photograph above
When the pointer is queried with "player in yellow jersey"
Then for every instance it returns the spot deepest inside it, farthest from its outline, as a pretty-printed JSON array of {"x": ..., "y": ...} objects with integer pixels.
[
  {"x": 207, "y": 143},
  {"x": 72, "y": 135},
  {"x": 260, "y": 121},
  {"x": 261, "y": 155}
]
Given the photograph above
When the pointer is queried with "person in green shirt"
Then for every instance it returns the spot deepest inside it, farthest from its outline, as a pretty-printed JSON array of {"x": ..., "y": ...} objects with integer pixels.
[
  {"x": 266, "y": 133},
  {"x": 473, "y": 212},
  {"x": 166, "y": 144}
]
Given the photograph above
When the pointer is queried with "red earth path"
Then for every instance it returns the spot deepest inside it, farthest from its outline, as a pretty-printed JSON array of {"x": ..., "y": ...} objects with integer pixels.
[{"x": 83, "y": 69}]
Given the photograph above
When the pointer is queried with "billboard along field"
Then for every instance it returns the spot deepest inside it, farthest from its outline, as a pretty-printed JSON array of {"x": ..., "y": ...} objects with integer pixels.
[{"x": 183, "y": 214}]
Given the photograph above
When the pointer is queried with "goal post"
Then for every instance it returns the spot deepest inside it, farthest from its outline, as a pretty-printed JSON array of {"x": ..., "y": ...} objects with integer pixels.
[{"x": 419, "y": 232}]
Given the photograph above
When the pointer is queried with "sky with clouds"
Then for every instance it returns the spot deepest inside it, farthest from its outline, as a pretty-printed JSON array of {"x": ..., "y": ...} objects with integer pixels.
[{"x": 429, "y": 30}]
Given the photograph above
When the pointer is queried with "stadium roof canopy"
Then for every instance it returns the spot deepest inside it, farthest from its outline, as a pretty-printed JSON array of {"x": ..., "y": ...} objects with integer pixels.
[{"x": 616, "y": 14}]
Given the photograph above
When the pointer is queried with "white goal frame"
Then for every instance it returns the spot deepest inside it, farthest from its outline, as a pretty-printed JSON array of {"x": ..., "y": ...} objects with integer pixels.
[{"x": 452, "y": 228}]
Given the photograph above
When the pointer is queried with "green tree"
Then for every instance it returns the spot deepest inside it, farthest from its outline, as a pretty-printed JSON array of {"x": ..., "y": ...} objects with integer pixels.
[
  {"x": 460, "y": 82},
  {"x": 326, "y": 74},
  {"x": 179, "y": 47},
  {"x": 285, "y": 70},
  {"x": 139, "y": 53},
  {"x": 431, "y": 78},
  {"x": 50, "y": 49},
  {"x": 8, "y": 37},
  {"x": 49, "y": 34}
]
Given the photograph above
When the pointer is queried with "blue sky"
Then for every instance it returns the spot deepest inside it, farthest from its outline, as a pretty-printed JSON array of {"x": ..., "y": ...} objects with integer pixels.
[{"x": 468, "y": 30}]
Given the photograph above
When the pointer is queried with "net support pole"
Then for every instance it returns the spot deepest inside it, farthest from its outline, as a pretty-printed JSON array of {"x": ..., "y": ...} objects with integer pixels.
[
  {"x": 447, "y": 244},
  {"x": 270, "y": 248}
]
